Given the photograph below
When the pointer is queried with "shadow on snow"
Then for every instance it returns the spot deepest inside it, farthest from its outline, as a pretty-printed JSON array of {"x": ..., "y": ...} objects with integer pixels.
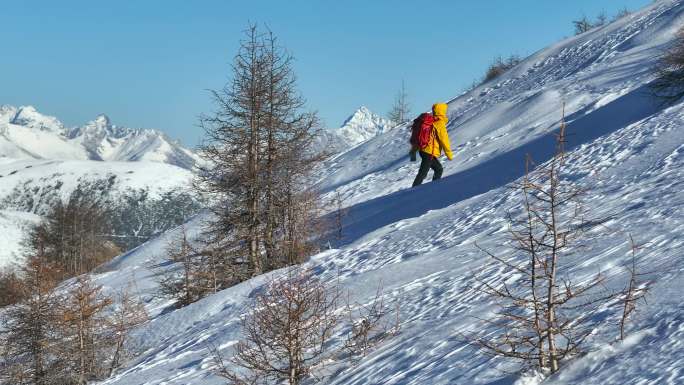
[{"x": 583, "y": 127}]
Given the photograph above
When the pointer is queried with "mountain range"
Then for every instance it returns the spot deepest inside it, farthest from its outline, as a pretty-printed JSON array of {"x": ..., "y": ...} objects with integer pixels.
[{"x": 25, "y": 133}]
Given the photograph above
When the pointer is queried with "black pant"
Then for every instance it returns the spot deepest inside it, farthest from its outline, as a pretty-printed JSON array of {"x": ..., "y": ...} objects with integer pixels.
[{"x": 428, "y": 162}]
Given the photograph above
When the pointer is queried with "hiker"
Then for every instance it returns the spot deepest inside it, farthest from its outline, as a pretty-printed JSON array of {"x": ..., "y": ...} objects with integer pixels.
[{"x": 429, "y": 135}]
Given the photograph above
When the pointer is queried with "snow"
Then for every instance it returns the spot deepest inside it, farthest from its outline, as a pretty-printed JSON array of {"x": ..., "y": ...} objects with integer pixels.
[
  {"x": 13, "y": 225},
  {"x": 419, "y": 244},
  {"x": 27, "y": 134},
  {"x": 361, "y": 126},
  {"x": 43, "y": 178},
  {"x": 42, "y": 157}
]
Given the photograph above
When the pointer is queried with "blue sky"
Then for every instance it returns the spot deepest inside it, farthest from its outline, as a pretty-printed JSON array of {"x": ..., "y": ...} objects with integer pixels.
[{"x": 149, "y": 63}]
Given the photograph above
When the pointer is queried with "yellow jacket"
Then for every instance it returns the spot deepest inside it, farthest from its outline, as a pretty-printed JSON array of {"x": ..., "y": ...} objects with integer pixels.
[{"x": 440, "y": 138}]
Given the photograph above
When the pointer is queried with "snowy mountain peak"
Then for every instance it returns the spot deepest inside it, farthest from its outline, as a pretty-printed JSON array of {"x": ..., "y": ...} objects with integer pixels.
[
  {"x": 29, "y": 134},
  {"x": 363, "y": 117},
  {"x": 28, "y": 116},
  {"x": 361, "y": 126},
  {"x": 103, "y": 120},
  {"x": 100, "y": 127}
]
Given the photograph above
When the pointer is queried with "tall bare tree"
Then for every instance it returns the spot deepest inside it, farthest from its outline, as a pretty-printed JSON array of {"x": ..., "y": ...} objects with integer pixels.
[
  {"x": 289, "y": 159},
  {"x": 401, "y": 110},
  {"x": 233, "y": 134},
  {"x": 258, "y": 146},
  {"x": 544, "y": 317}
]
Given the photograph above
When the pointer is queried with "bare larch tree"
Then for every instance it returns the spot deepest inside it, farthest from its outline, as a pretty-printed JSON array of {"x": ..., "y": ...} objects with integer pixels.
[
  {"x": 544, "y": 317},
  {"x": 74, "y": 235},
  {"x": 401, "y": 110},
  {"x": 285, "y": 335},
  {"x": 582, "y": 25},
  {"x": 29, "y": 336},
  {"x": 128, "y": 314},
  {"x": 258, "y": 149},
  {"x": 82, "y": 320},
  {"x": 192, "y": 277}
]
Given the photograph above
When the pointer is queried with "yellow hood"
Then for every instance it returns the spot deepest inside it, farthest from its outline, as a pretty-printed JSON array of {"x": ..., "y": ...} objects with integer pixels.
[
  {"x": 439, "y": 109},
  {"x": 440, "y": 137}
]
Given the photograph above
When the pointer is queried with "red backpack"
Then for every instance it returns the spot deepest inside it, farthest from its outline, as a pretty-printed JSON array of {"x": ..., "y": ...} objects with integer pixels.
[{"x": 421, "y": 130}]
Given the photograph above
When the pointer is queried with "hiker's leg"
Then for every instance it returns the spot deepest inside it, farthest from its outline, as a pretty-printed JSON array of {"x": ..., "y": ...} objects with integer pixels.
[
  {"x": 425, "y": 162},
  {"x": 437, "y": 168}
]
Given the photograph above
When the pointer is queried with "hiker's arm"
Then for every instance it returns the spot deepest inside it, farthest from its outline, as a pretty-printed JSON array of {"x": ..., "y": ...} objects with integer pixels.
[{"x": 443, "y": 138}]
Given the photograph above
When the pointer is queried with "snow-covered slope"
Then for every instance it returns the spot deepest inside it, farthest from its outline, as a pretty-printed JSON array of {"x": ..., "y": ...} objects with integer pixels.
[
  {"x": 41, "y": 159},
  {"x": 35, "y": 175},
  {"x": 420, "y": 243},
  {"x": 13, "y": 226},
  {"x": 361, "y": 126},
  {"x": 38, "y": 182},
  {"x": 26, "y": 133}
]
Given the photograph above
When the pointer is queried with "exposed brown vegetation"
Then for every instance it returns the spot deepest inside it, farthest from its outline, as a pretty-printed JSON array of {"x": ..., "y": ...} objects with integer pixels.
[
  {"x": 499, "y": 66},
  {"x": 81, "y": 321},
  {"x": 636, "y": 290},
  {"x": 288, "y": 335},
  {"x": 669, "y": 84},
  {"x": 128, "y": 314},
  {"x": 29, "y": 338},
  {"x": 11, "y": 290},
  {"x": 74, "y": 235},
  {"x": 285, "y": 336}
]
